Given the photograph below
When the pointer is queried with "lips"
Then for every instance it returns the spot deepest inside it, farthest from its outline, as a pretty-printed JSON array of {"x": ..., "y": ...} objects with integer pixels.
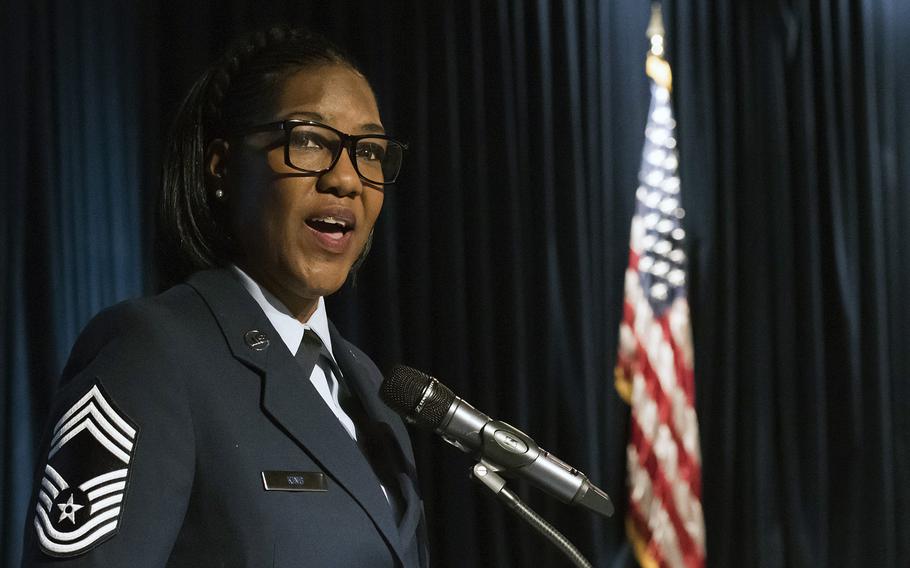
[{"x": 332, "y": 227}]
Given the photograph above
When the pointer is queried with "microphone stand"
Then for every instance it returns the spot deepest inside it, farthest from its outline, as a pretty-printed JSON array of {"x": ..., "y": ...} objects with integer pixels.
[{"x": 487, "y": 474}]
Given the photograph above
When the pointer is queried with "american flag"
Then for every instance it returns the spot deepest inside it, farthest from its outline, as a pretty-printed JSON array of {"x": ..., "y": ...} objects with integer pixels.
[{"x": 654, "y": 372}]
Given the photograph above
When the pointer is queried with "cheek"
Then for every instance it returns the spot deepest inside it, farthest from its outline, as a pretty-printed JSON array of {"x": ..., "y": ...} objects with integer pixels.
[
  {"x": 281, "y": 220},
  {"x": 253, "y": 197},
  {"x": 261, "y": 221},
  {"x": 372, "y": 205}
]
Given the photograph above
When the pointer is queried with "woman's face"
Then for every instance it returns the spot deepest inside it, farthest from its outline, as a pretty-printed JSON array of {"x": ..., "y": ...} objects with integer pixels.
[{"x": 286, "y": 222}]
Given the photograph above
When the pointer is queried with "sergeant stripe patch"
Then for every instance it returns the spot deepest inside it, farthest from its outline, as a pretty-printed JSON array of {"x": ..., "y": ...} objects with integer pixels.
[{"x": 81, "y": 494}]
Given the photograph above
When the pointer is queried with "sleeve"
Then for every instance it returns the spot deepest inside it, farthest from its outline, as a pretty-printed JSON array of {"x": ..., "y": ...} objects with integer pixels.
[{"x": 116, "y": 465}]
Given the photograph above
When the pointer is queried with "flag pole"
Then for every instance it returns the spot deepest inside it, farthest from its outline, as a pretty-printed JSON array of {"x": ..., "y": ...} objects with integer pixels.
[{"x": 657, "y": 68}]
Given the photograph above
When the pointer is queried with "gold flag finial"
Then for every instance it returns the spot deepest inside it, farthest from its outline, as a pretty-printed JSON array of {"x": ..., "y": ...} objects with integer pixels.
[
  {"x": 657, "y": 67},
  {"x": 656, "y": 25}
]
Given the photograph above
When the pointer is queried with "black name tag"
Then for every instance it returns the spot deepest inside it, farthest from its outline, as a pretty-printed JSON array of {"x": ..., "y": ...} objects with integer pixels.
[{"x": 294, "y": 481}]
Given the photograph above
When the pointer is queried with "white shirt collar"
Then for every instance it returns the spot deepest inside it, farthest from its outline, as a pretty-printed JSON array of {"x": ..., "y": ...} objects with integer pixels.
[{"x": 287, "y": 326}]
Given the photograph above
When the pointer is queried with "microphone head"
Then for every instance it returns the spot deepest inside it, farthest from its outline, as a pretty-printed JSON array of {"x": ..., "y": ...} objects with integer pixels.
[{"x": 417, "y": 396}]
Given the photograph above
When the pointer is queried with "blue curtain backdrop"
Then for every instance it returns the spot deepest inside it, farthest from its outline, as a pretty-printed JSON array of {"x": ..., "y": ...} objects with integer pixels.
[
  {"x": 71, "y": 224},
  {"x": 498, "y": 260}
]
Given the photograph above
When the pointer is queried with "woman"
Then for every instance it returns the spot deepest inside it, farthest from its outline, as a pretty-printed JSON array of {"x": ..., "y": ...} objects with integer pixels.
[{"x": 225, "y": 422}]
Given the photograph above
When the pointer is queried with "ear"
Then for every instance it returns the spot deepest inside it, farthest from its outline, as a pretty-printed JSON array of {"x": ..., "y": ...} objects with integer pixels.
[{"x": 216, "y": 160}]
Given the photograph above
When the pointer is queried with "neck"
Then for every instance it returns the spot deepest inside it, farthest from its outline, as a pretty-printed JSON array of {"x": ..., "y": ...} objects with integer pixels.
[{"x": 300, "y": 307}]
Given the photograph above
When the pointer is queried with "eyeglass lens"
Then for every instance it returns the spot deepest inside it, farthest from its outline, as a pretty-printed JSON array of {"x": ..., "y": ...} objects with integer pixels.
[{"x": 313, "y": 148}]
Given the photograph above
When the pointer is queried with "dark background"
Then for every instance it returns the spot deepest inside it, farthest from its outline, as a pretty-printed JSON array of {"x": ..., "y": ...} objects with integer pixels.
[{"x": 498, "y": 260}]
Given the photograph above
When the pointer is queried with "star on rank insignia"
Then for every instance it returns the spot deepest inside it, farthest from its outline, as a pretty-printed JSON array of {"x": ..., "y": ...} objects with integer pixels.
[{"x": 81, "y": 493}]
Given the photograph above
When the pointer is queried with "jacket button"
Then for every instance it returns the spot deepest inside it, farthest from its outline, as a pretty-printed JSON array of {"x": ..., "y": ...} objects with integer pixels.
[{"x": 256, "y": 339}]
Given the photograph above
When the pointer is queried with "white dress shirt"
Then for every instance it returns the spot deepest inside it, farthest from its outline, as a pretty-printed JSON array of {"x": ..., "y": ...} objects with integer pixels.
[{"x": 291, "y": 332}]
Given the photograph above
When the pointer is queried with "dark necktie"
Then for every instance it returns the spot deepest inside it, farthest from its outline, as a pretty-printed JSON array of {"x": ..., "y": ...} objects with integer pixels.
[{"x": 313, "y": 352}]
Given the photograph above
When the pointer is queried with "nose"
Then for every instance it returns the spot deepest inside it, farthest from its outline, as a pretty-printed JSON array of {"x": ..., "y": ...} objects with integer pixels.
[{"x": 342, "y": 179}]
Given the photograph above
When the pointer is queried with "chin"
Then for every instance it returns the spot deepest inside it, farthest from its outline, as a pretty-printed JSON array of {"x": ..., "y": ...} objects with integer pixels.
[{"x": 321, "y": 281}]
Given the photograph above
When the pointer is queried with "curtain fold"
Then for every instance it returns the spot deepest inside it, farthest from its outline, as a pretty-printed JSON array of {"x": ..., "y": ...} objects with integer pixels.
[
  {"x": 803, "y": 450},
  {"x": 498, "y": 261}
]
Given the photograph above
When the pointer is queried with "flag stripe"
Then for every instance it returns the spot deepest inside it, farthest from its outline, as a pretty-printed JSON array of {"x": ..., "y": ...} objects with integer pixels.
[
  {"x": 663, "y": 542},
  {"x": 686, "y": 461},
  {"x": 640, "y": 535},
  {"x": 684, "y": 375},
  {"x": 677, "y": 500},
  {"x": 636, "y": 350},
  {"x": 656, "y": 349}
]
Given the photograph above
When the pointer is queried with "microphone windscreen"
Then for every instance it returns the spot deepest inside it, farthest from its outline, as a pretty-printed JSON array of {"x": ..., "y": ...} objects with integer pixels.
[{"x": 417, "y": 396}]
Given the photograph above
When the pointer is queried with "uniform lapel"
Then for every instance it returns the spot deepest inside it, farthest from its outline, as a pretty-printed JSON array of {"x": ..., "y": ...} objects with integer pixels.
[
  {"x": 360, "y": 377},
  {"x": 290, "y": 399}
]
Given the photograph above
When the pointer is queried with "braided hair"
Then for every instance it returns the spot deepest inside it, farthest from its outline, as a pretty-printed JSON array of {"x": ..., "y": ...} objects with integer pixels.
[{"x": 192, "y": 227}]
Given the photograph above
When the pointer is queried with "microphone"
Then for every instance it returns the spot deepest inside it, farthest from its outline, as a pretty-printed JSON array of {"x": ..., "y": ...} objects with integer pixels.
[{"x": 424, "y": 401}]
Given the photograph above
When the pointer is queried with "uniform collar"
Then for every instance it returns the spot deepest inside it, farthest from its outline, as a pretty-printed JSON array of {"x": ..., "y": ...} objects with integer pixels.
[{"x": 288, "y": 327}]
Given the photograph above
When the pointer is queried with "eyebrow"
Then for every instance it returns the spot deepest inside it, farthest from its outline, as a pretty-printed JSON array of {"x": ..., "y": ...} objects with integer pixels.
[{"x": 309, "y": 115}]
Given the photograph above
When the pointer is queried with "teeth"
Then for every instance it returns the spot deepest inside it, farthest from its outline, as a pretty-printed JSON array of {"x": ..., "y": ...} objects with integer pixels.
[{"x": 331, "y": 220}]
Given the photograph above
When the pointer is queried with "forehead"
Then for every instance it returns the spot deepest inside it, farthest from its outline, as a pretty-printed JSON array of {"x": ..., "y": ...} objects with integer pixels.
[{"x": 335, "y": 94}]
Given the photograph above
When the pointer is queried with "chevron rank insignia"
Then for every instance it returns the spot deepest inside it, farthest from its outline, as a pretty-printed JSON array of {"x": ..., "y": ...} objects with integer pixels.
[{"x": 85, "y": 478}]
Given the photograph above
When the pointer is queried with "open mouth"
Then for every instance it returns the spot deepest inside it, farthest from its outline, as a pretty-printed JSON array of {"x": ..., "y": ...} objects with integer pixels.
[
  {"x": 330, "y": 225},
  {"x": 333, "y": 228}
]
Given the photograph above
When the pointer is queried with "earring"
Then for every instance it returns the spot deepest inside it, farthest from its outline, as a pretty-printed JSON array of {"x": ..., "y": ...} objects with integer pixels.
[{"x": 219, "y": 194}]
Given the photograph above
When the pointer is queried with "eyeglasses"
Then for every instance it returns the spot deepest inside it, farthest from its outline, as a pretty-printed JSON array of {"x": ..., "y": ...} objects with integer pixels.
[{"x": 314, "y": 148}]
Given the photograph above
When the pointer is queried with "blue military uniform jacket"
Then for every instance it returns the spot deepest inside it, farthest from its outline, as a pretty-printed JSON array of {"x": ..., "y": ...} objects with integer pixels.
[{"x": 171, "y": 413}]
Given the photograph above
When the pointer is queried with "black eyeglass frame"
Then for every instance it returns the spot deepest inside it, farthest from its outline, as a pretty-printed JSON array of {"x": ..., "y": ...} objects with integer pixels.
[{"x": 348, "y": 141}]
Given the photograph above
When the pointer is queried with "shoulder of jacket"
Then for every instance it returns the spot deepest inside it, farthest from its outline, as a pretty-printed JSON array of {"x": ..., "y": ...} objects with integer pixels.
[{"x": 142, "y": 325}]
